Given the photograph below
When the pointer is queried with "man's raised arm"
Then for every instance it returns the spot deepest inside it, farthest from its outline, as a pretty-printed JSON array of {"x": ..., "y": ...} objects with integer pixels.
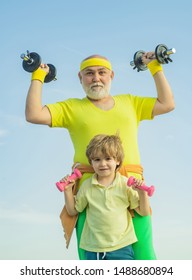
[{"x": 35, "y": 112}]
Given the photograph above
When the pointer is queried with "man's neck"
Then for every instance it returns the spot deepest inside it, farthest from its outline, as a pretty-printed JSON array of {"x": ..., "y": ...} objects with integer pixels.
[{"x": 105, "y": 103}]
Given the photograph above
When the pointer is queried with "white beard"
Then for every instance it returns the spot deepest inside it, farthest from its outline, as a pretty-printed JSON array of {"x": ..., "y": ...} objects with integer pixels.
[{"x": 97, "y": 93}]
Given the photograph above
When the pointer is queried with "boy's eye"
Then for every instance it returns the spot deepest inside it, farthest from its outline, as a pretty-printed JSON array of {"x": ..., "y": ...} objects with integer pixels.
[
  {"x": 96, "y": 159},
  {"x": 109, "y": 158}
]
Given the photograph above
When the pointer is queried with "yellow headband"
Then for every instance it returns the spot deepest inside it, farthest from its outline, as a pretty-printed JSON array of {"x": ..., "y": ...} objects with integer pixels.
[{"x": 95, "y": 62}]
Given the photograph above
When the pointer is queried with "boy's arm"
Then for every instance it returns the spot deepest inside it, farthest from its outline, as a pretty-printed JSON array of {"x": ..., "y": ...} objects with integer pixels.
[
  {"x": 70, "y": 200},
  {"x": 144, "y": 207}
]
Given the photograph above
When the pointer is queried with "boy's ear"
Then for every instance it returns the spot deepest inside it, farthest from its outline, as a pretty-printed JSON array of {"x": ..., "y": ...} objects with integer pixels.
[{"x": 117, "y": 165}]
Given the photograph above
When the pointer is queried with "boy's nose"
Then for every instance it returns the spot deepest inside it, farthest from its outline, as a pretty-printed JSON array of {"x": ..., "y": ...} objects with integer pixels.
[{"x": 102, "y": 162}]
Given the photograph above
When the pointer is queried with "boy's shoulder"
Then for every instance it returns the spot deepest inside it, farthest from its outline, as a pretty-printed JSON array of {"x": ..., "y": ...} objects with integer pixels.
[
  {"x": 121, "y": 177},
  {"x": 87, "y": 182}
]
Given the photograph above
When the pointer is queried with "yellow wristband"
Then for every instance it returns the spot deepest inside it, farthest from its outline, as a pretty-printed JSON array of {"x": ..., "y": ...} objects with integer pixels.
[
  {"x": 39, "y": 74},
  {"x": 154, "y": 67}
]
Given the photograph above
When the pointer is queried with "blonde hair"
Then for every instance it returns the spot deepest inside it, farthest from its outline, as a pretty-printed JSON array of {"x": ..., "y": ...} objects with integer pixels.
[{"x": 109, "y": 145}]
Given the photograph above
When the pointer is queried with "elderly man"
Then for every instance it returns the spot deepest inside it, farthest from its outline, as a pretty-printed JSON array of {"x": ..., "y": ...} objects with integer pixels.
[{"x": 101, "y": 113}]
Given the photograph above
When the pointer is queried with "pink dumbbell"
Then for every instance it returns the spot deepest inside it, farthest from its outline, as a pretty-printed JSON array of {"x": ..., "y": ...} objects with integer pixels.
[
  {"x": 150, "y": 190},
  {"x": 74, "y": 176}
]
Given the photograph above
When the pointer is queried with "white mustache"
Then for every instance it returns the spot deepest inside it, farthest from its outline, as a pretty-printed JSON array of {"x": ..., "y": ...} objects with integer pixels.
[{"x": 96, "y": 85}]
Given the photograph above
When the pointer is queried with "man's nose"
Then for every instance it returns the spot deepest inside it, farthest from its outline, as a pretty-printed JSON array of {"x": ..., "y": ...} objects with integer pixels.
[{"x": 96, "y": 77}]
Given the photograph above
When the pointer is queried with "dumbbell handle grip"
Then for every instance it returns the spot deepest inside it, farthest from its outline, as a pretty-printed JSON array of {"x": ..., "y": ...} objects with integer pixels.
[
  {"x": 74, "y": 176},
  {"x": 27, "y": 57},
  {"x": 165, "y": 52},
  {"x": 169, "y": 51},
  {"x": 150, "y": 190},
  {"x": 132, "y": 63}
]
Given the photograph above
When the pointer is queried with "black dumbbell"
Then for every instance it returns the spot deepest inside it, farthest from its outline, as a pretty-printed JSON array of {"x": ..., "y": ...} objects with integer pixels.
[
  {"x": 32, "y": 61},
  {"x": 162, "y": 54}
]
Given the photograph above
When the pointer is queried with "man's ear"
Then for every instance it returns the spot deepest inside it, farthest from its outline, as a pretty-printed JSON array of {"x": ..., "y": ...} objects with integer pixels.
[
  {"x": 112, "y": 75},
  {"x": 80, "y": 77}
]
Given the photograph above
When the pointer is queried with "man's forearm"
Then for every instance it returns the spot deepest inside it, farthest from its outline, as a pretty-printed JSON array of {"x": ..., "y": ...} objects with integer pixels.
[
  {"x": 35, "y": 112},
  {"x": 33, "y": 101},
  {"x": 164, "y": 92}
]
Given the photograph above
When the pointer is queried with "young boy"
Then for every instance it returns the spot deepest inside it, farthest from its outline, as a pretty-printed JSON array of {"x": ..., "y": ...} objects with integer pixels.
[{"x": 108, "y": 231}]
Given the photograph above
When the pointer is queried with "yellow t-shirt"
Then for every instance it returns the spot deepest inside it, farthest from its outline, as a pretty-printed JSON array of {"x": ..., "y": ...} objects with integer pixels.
[
  {"x": 108, "y": 225},
  {"x": 84, "y": 120}
]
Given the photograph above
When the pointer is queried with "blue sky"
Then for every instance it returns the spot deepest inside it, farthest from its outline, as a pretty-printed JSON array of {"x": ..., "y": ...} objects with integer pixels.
[{"x": 34, "y": 157}]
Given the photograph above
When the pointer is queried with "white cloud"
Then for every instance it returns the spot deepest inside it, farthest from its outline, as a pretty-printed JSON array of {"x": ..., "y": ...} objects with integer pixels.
[
  {"x": 170, "y": 137},
  {"x": 15, "y": 120},
  {"x": 3, "y": 132},
  {"x": 26, "y": 215},
  {"x": 9, "y": 119}
]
